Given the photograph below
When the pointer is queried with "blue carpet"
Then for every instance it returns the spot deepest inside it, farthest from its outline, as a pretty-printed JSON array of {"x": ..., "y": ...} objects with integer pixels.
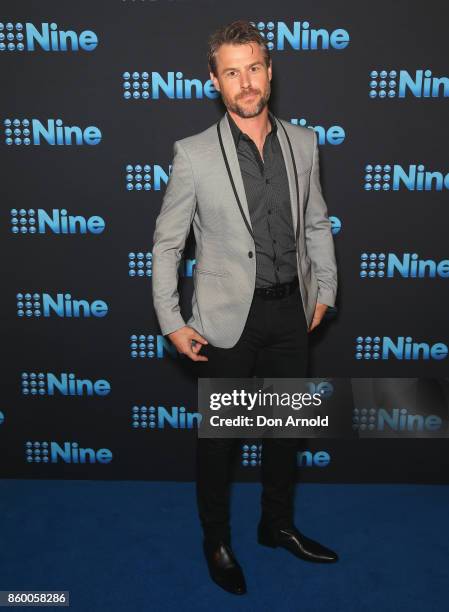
[{"x": 135, "y": 545}]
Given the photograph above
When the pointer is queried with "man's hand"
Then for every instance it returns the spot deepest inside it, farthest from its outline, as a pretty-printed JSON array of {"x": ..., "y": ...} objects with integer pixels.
[
  {"x": 182, "y": 339},
  {"x": 320, "y": 309}
]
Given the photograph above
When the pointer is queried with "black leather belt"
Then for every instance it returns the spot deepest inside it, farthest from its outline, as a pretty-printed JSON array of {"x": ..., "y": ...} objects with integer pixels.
[{"x": 275, "y": 292}]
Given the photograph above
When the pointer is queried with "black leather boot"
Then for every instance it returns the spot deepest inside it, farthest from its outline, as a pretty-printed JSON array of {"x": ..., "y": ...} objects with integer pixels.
[
  {"x": 294, "y": 541},
  {"x": 224, "y": 568}
]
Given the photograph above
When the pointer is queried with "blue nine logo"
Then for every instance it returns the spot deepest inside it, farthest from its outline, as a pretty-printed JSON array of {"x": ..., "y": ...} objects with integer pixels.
[
  {"x": 47, "y": 37},
  {"x": 401, "y": 348},
  {"x": 146, "y": 177},
  {"x": 38, "y": 221},
  {"x": 42, "y": 383},
  {"x": 172, "y": 85},
  {"x": 409, "y": 265},
  {"x": 153, "y": 346},
  {"x": 43, "y": 305},
  {"x": 160, "y": 417},
  {"x": 301, "y": 37},
  {"x": 69, "y": 452},
  {"x": 386, "y": 177},
  {"x": 397, "y": 419},
  {"x": 419, "y": 84},
  {"x": 54, "y": 132}
]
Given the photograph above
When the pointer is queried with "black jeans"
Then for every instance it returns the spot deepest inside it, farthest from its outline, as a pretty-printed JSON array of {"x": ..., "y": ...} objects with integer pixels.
[{"x": 274, "y": 343}]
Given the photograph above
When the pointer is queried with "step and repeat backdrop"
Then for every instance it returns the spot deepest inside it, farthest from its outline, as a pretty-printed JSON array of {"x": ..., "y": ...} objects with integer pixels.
[{"x": 94, "y": 94}]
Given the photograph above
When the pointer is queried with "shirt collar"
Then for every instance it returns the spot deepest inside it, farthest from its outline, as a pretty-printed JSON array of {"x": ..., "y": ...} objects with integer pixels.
[{"x": 237, "y": 132}]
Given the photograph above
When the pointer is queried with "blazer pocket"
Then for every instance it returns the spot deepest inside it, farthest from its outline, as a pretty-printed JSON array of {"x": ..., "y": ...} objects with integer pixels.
[{"x": 212, "y": 272}]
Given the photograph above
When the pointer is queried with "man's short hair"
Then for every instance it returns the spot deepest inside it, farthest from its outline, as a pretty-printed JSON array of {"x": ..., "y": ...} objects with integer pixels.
[{"x": 236, "y": 33}]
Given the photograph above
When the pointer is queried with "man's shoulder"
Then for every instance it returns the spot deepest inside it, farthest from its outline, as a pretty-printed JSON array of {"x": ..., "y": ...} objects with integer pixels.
[{"x": 299, "y": 132}]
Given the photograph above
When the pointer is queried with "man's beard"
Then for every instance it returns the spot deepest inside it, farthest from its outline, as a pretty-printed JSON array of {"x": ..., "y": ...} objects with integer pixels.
[{"x": 245, "y": 112}]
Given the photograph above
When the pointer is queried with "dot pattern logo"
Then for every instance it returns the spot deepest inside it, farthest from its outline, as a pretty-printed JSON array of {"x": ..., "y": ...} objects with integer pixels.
[
  {"x": 140, "y": 264},
  {"x": 372, "y": 265},
  {"x": 23, "y": 221},
  {"x": 36, "y": 452},
  {"x": 251, "y": 455},
  {"x": 364, "y": 419},
  {"x": 11, "y": 37},
  {"x": 383, "y": 84},
  {"x": 143, "y": 417},
  {"x": 138, "y": 177},
  {"x": 266, "y": 29},
  {"x": 136, "y": 86},
  {"x": 29, "y": 305},
  {"x": 377, "y": 177},
  {"x": 17, "y": 131},
  {"x": 142, "y": 346},
  {"x": 367, "y": 347},
  {"x": 33, "y": 383}
]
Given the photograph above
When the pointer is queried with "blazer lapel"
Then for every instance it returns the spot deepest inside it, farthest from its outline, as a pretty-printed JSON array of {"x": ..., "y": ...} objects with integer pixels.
[
  {"x": 234, "y": 167},
  {"x": 295, "y": 200}
]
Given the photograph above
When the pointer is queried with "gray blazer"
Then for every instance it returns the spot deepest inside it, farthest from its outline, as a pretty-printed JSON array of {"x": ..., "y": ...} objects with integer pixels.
[{"x": 206, "y": 188}]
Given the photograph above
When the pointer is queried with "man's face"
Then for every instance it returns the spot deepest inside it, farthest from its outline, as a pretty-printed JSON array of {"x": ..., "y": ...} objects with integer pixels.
[{"x": 243, "y": 78}]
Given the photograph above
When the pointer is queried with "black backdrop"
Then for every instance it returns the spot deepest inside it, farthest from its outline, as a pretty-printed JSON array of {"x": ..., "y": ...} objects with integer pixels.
[{"x": 326, "y": 87}]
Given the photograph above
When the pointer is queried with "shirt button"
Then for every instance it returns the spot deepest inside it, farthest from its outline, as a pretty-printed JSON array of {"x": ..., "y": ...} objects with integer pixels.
[{"x": 250, "y": 254}]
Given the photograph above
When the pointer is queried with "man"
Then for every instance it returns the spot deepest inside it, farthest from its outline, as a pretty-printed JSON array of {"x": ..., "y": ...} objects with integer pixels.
[{"x": 265, "y": 274}]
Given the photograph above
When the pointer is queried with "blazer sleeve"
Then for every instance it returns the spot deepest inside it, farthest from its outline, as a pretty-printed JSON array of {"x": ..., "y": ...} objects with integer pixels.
[
  {"x": 318, "y": 234},
  {"x": 170, "y": 234}
]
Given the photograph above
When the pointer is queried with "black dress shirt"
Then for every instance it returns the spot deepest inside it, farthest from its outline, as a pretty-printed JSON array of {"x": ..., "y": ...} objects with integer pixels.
[{"x": 268, "y": 196}]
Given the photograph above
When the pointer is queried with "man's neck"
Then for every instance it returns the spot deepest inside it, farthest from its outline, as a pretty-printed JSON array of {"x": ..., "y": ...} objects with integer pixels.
[{"x": 257, "y": 127}]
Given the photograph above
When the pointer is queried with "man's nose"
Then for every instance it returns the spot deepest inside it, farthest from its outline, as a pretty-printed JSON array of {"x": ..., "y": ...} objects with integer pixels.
[{"x": 245, "y": 82}]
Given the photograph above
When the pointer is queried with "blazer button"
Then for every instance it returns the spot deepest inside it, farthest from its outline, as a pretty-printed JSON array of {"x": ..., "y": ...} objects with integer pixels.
[{"x": 250, "y": 254}]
